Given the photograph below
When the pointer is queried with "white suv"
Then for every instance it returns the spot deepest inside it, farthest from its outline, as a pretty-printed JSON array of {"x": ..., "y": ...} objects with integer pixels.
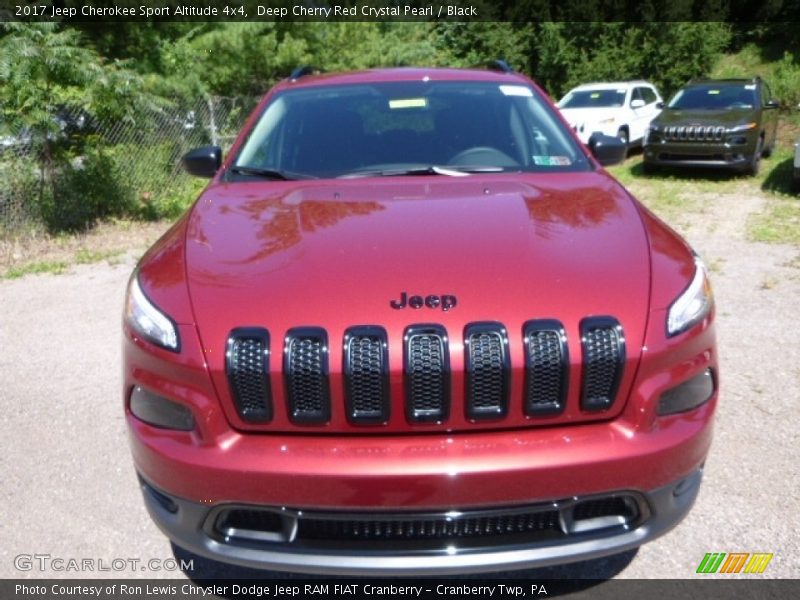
[{"x": 622, "y": 109}]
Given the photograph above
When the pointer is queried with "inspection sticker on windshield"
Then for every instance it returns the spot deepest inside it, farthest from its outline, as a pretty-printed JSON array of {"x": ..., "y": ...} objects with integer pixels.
[
  {"x": 516, "y": 90},
  {"x": 713, "y": 92},
  {"x": 750, "y": 86},
  {"x": 408, "y": 103},
  {"x": 552, "y": 161}
]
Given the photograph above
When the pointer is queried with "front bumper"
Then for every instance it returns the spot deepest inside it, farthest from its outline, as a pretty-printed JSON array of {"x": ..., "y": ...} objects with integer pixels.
[
  {"x": 371, "y": 475},
  {"x": 695, "y": 154},
  {"x": 584, "y": 131},
  {"x": 191, "y": 526}
]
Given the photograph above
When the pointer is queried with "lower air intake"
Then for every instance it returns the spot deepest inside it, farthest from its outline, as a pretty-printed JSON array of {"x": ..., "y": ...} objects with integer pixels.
[{"x": 426, "y": 531}]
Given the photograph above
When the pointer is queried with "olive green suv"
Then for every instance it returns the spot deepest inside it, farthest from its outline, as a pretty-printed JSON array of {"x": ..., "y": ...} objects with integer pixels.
[{"x": 715, "y": 123}]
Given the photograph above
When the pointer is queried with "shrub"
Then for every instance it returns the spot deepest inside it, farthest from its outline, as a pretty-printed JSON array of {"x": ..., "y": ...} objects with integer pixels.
[{"x": 77, "y": 192}]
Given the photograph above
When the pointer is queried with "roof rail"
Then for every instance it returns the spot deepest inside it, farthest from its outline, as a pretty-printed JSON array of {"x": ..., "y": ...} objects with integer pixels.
[
  {"x": 499, "y": 65},
  {"x": 302, "y": 72}
]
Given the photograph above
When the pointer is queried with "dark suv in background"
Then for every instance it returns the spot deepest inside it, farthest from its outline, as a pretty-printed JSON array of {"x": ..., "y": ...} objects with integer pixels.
[{"x": 726, "y": 123}]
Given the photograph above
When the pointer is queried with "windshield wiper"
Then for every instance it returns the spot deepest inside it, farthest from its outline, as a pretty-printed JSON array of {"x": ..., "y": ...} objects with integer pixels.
[
  {"x": 270, "y": 173},
  {"x": 451, "y": 171}
]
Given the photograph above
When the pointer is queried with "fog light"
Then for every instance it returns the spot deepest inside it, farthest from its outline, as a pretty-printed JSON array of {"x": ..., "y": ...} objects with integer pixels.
[
  {"x": 160, "y": 412},
  {"x": 688, "y": 395}
]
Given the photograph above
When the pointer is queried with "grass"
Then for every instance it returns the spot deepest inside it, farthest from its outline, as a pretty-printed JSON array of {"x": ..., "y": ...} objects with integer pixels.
[
  {"x": 39, "y": 252},
  {"x": 670, "y": 197},
  {"x": 54, "y": 267},
  {"x": 677, "y": 194},
  {"x": 85, "y": 256},
  {"x": 779, "y": 224}
]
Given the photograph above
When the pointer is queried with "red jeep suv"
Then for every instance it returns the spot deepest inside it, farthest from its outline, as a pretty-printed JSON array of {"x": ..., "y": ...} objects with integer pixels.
[{"x": 412, "y": 326}]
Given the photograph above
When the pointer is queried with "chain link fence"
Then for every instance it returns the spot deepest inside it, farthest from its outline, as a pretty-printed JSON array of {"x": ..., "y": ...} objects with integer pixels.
[{"x": 144, "y": 155}]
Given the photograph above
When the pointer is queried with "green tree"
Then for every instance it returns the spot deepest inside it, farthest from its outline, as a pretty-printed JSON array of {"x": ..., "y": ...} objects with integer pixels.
[{"x": 43, "y": 70}]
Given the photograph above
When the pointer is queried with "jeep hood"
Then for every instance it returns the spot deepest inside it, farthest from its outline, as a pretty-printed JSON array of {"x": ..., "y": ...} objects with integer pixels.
[
  {"x": 335, "y": 253},
  {"x": 576, "y": 116},
  {"x": 727, "y": 117}
]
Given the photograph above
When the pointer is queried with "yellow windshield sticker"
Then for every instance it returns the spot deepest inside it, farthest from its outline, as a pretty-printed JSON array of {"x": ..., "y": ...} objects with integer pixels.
[
  {"x": 408, "y": 103},
  {"x": 516, "y": 90},
  {"x": 595, "y": 95},
  {"x": 713, "y": 92}
]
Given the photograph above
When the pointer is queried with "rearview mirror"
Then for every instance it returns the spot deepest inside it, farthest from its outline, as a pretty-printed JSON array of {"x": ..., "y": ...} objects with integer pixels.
[
  {"x": 638, "y": 103},
  {"x": 607, "y": 149},
  {"x": 772, "y": 104},
  {"x": 660, "y": 105},
  {"x": 203, "y": 162}
]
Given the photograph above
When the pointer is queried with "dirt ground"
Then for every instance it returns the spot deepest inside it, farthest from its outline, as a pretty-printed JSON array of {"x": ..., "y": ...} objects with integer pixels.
[{"x": 67, "y": 477}]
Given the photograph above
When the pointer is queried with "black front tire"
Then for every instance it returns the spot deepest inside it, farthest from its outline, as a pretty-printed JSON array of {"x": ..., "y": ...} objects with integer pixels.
[
  {"x": 625, "y": 138},
  {"x": 754, "y": 163},
  {"x": 649, "y": 168}
]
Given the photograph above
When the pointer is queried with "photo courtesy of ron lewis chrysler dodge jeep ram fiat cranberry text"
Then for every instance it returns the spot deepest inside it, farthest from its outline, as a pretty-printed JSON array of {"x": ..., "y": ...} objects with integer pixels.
[{"x": 412, "y": 326}]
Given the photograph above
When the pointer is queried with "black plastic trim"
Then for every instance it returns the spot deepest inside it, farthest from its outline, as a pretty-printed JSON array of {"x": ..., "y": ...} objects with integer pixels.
[
  {"x": 307, "y": 417},
  {"x": 352, "y": 416},
  {"x": 556, "y": 406},
  {"x": 500, "y": 65},
  {"x": 479, "y": 413},
  {"x": 588, "y": 325},
  {"x": 418, "y": 416},
  {"x": 262, "y": 335},
  {"x": 301, "y": 71}
]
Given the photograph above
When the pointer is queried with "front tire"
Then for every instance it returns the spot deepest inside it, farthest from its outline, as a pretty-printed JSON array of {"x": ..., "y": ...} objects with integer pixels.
[
  {"x": 755, "y": 161},
  {"x": 649, "y": 168},
  {"x": 624, "y": 137}
]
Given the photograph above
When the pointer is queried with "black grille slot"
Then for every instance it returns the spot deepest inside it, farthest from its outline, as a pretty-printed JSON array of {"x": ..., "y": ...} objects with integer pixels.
[
  {"x": 546, "y": 367},
  {"x": 247, "y": 368},
  {"x": 487, "y": 370},
  {"x": 426, "y": 361},
  {"x": 305, "y": 369},
  {"x": 603, "y": 347},
  {"x": 366, "y": 372},
  {"x": 616, "y": 506},
  {"x": 428, "y": 528}
]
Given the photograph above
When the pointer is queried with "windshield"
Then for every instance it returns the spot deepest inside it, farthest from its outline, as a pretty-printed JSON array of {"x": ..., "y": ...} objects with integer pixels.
[
  {"x": 715, "y": 97},
  {"x": 593, "y": 99},
  {"x": 407, "y": 128}
]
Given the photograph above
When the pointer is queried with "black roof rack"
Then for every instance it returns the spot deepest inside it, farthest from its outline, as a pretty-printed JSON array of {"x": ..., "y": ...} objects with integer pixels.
[
  {"x": 302, "y": 72},
  {"x": 499, "y": 65}
]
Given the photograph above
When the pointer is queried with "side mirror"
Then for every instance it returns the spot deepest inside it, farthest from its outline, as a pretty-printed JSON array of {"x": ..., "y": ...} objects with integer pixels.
[
  {"x": 660, "y": 105},
  {"x": 203, "y": 162},
  {"x": 638, "y": 103},
  {"x": 772, "y": 104},
  {"x": 607, "y": 149}
]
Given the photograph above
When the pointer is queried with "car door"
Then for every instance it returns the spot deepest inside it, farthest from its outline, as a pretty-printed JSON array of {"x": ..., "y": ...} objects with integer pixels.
[
  {"x": 769, "y": 113},
  {"x": 645, "y": 112}
]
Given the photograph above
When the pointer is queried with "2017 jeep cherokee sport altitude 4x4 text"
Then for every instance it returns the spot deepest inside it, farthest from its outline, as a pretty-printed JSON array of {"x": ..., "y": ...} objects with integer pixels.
[{"x": 411, "y": 326}]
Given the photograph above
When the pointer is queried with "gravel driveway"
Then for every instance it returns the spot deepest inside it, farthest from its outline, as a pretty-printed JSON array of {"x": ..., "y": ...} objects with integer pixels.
[{"x": 67, "y": 481}]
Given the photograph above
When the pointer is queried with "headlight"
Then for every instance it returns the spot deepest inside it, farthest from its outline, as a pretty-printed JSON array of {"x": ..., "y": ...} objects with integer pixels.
[
  {"x": 147, "y": 320},
  {"x": 745, "y": 127},
  {"x": 693, "y": 304}
]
